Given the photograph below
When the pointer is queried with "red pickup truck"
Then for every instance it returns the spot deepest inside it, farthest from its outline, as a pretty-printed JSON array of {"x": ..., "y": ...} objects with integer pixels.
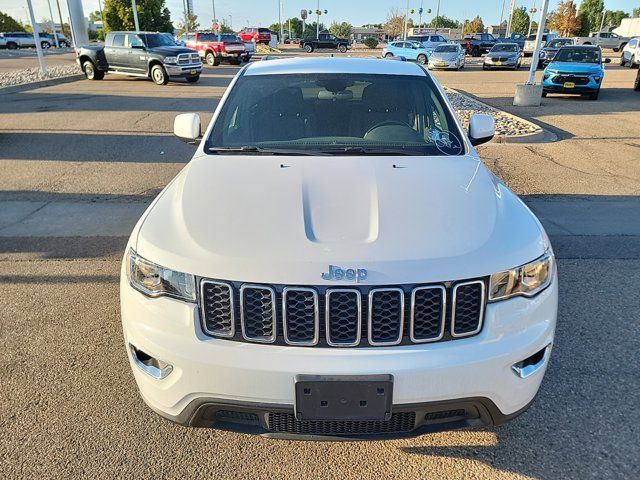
[
  {"x": 255, "y": 34},
  {"x": 214, "y": 47}
]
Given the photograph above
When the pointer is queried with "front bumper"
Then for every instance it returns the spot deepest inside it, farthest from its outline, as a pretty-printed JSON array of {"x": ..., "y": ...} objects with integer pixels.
[
  {"x": 473, "y": 375},
  {"x": 444, "y": 64},
  {"x": 505, "y": 64},
  {"x": 183, "y": 70},
  {"x": 551, "y": 87}
]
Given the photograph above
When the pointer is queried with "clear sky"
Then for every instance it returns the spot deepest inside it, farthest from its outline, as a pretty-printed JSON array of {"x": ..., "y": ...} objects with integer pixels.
[{"x": 356, "y": 12}]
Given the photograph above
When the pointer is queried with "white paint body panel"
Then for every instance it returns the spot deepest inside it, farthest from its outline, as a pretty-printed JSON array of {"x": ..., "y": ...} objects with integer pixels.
[{"x": 284, "y": 220}]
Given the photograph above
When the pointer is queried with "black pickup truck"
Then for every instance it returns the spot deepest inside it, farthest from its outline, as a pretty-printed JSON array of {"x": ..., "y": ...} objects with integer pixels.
[
  {"x": 325, "y": 40},
  {"x": 478, "y": 43},
  {"x": 144, "y": 54}
]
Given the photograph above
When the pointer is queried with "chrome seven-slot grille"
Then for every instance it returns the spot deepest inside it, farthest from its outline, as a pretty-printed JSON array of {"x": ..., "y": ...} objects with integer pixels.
[
  {"x": 188, "y": 58},
  {"x": 341, "y": 316}
]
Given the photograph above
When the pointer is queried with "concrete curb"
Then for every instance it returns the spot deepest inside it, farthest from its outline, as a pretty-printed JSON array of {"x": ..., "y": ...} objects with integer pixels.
[
  {"x": 40, "y": 84},
  {"x": 539, "y": 136}
]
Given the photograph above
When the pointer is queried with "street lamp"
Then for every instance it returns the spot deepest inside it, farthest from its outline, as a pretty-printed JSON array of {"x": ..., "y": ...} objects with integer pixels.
[{"x": 532, "y": 10}]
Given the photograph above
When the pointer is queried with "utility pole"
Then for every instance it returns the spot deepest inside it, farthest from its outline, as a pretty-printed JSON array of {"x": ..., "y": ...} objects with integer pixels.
[
  {"x": 502, "y": 12},
  {"x": 281, "y": 39},
  {"x": 406, "y": 22},
  {"x": 532, "y": 10},
  {"x": 437, "y": 17},
  {"x": 101, "y": 14},
  {"x": 60, "y": 15},
  {"x": 135, "y": 15},
  {"x": 53, "y": 25},
  {"x": 213, "y": 4},
  {"x": 36, "y": 36},
  {"x": 604, "y": 12},
  {"x": 186, "y": 18}
]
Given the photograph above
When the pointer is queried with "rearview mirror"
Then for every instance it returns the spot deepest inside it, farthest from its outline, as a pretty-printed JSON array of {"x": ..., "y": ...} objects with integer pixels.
[
  {"x": 606, "y": 60},
  {"x": 482, "y": 128},
  {"x": 186, "y": 127}
]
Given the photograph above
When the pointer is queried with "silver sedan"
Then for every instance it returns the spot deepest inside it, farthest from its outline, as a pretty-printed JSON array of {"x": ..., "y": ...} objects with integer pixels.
[
  {"x": 503, "y": 55},
  {"x": 447, "y": 55}
]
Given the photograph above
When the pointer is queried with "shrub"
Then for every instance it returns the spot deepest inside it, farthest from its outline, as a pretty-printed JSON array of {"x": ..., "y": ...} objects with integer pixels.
[{"x": 371, "y": 42}]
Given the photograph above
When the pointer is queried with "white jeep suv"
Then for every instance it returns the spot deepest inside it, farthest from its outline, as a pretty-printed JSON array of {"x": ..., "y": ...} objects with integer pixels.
[{"x": 336, "y": 260}]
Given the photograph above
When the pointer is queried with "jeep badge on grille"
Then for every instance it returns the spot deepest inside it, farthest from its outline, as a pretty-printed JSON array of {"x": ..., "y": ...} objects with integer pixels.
[{"x": 337, "y": 273}]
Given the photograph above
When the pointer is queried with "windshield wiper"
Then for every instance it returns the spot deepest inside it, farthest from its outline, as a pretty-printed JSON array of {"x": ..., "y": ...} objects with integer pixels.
[
  {"x": 254, "y": 150},
  {"x": 373, "y": 151}
]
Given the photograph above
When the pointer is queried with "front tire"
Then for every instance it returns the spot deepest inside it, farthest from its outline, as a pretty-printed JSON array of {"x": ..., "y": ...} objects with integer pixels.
[
  {"x": 636, "y": 84},
  {"x": 210, "y": 58},
  {"x": 342, "y": 48},
  {"x": 45, "y": 45},
  {"x": 308, "y": 48},
  {"x": 422, "y": 59},
  {"x": 90, "y": 71},
  {"x": 193, "y": 79},
  {"x": 594, "y": 96},
  {"x": 158, "y": 75}
]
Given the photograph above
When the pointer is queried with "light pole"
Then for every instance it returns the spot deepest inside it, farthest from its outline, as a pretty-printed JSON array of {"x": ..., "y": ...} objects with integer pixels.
[
  {"x": 60, "y": 15},
  {"x": 437, "y": 17},
  {"x": 101, "y": 15},
  {"x": 601, "y": 27},
  {"x": 230, "y": 22},
  {"x": 135, "y": 15},
  {"x": 53, "y": 25},
  {"x": 280, "y": 21},
  {"x": 511, "y": 7},
  {"x": 318, "y": 21},
  {"x": 532, "y": 10},
  {"x": 213, "y": 4},
  {"x": 36, "y": 36},
  {"x": 406, "y": 22},
  {"x": 536, "y": 52}
]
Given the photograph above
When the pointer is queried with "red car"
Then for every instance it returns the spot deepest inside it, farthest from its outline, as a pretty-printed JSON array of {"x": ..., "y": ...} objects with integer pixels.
[
  {"x": 214, "y": 47},
  {"x": 255, "y": 34}
]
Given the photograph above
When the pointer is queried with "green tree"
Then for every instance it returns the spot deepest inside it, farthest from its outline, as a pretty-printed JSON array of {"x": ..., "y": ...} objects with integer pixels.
[
  {"x": 614, "y": 18},
  {"x": 590, "y": 15},
  {"x": 636, "y": 12},
  {"x": 95, "y": 16},
  {"x": 10, "y": 24},
  {"x": 473, "y": 26},
  {"x": 310, "y": 29},
  {"x": 341, "y": 30},
  {"x": 520, "y": 22},
  {"x": 442, "y": 21},
  {"x": 153, "y": 15},
  {"x": 191, "y": 24}
]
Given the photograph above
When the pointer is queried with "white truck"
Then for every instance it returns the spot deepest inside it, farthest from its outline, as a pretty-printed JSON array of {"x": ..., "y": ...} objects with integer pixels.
[
  {"x": 337, "y": 261},
  {"x": 604, "y": 40}
]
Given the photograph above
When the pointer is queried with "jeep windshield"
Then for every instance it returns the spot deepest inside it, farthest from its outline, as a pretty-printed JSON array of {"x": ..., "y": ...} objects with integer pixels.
[{"x": 335, "y": 114}]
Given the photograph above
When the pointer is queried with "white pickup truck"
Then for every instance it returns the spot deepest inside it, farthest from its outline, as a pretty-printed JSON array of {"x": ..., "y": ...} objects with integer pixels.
[{"x": 604, "y": 40}]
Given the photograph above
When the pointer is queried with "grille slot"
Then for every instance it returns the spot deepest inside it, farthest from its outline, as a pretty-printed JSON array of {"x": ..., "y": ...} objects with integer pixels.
[
  {"x": 286, "y": 423},
  {"x": 343, "y": 316},
  {"x": 386, "y": 316},
  {"x": 217, "y": 308},
  {"x": 301, "y": 316},
  {"x": 258, "y": 313},
  {"x": 468, "y": 308},
  {"x": 578, "y": 80},
  {"x": 428, "y": 311},
  {"x": 188, "y": 58}
]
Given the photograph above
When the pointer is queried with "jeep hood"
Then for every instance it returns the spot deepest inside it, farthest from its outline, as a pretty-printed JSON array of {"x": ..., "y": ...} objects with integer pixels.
[{"x": 286, "y": 219}]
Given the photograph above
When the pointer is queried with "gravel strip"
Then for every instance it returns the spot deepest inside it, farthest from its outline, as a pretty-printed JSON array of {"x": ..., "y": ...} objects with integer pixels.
[
  {"x": 30, "y": 75},
  {"x": 506, "y": 124}
]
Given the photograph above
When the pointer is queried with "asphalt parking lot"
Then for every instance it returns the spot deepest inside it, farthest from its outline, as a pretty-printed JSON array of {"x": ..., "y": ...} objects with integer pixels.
[{"x": 81, "y": 160}]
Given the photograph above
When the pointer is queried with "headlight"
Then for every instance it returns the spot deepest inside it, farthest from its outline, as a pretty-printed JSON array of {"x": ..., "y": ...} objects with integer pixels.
[
  {"x": 170, "y": 59},
  {"x": 527, "y": 280},
  {"x": 156, "y": 281}
]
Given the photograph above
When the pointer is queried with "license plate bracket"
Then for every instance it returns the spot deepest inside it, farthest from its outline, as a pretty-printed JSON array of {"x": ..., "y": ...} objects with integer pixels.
[{"x": 343, "y": 397}]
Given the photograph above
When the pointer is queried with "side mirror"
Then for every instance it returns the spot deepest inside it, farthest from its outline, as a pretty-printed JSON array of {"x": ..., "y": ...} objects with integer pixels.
[
  {"x": 482, "y": 128},
  {"x": 138, "y": 46},
  {"x": 606, "y": 60},
  {"x": 186, "y": 127}
]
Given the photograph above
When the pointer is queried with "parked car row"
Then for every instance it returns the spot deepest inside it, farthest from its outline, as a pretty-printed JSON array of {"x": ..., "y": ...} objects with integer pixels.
[
  {"x": 15, "y": 40},
  {"x": 214, "y": 48}
]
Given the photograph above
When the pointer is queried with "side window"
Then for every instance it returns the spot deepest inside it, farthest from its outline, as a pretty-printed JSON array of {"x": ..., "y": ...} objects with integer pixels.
[
  {"x": 632, "y": 43},
  {"x": 134, "y": 41},
  {"x": 118, "y": 40},
  {"x": 191, "y": 37}
]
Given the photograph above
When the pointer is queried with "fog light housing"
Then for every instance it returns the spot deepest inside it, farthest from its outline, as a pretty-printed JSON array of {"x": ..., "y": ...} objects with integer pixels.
[{"x": 152, "y": 366}]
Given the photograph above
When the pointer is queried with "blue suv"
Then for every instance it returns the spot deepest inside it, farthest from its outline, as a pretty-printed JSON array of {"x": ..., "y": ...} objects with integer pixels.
[{"x": 575, "y": 70}]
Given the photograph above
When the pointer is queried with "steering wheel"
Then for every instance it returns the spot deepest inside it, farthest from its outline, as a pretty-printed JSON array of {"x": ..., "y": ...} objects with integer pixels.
[{"x": 387, "y": 123}]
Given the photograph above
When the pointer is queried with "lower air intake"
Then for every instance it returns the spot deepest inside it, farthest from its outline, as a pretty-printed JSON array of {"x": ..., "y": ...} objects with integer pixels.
[{"x": 401, "y": 422}]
